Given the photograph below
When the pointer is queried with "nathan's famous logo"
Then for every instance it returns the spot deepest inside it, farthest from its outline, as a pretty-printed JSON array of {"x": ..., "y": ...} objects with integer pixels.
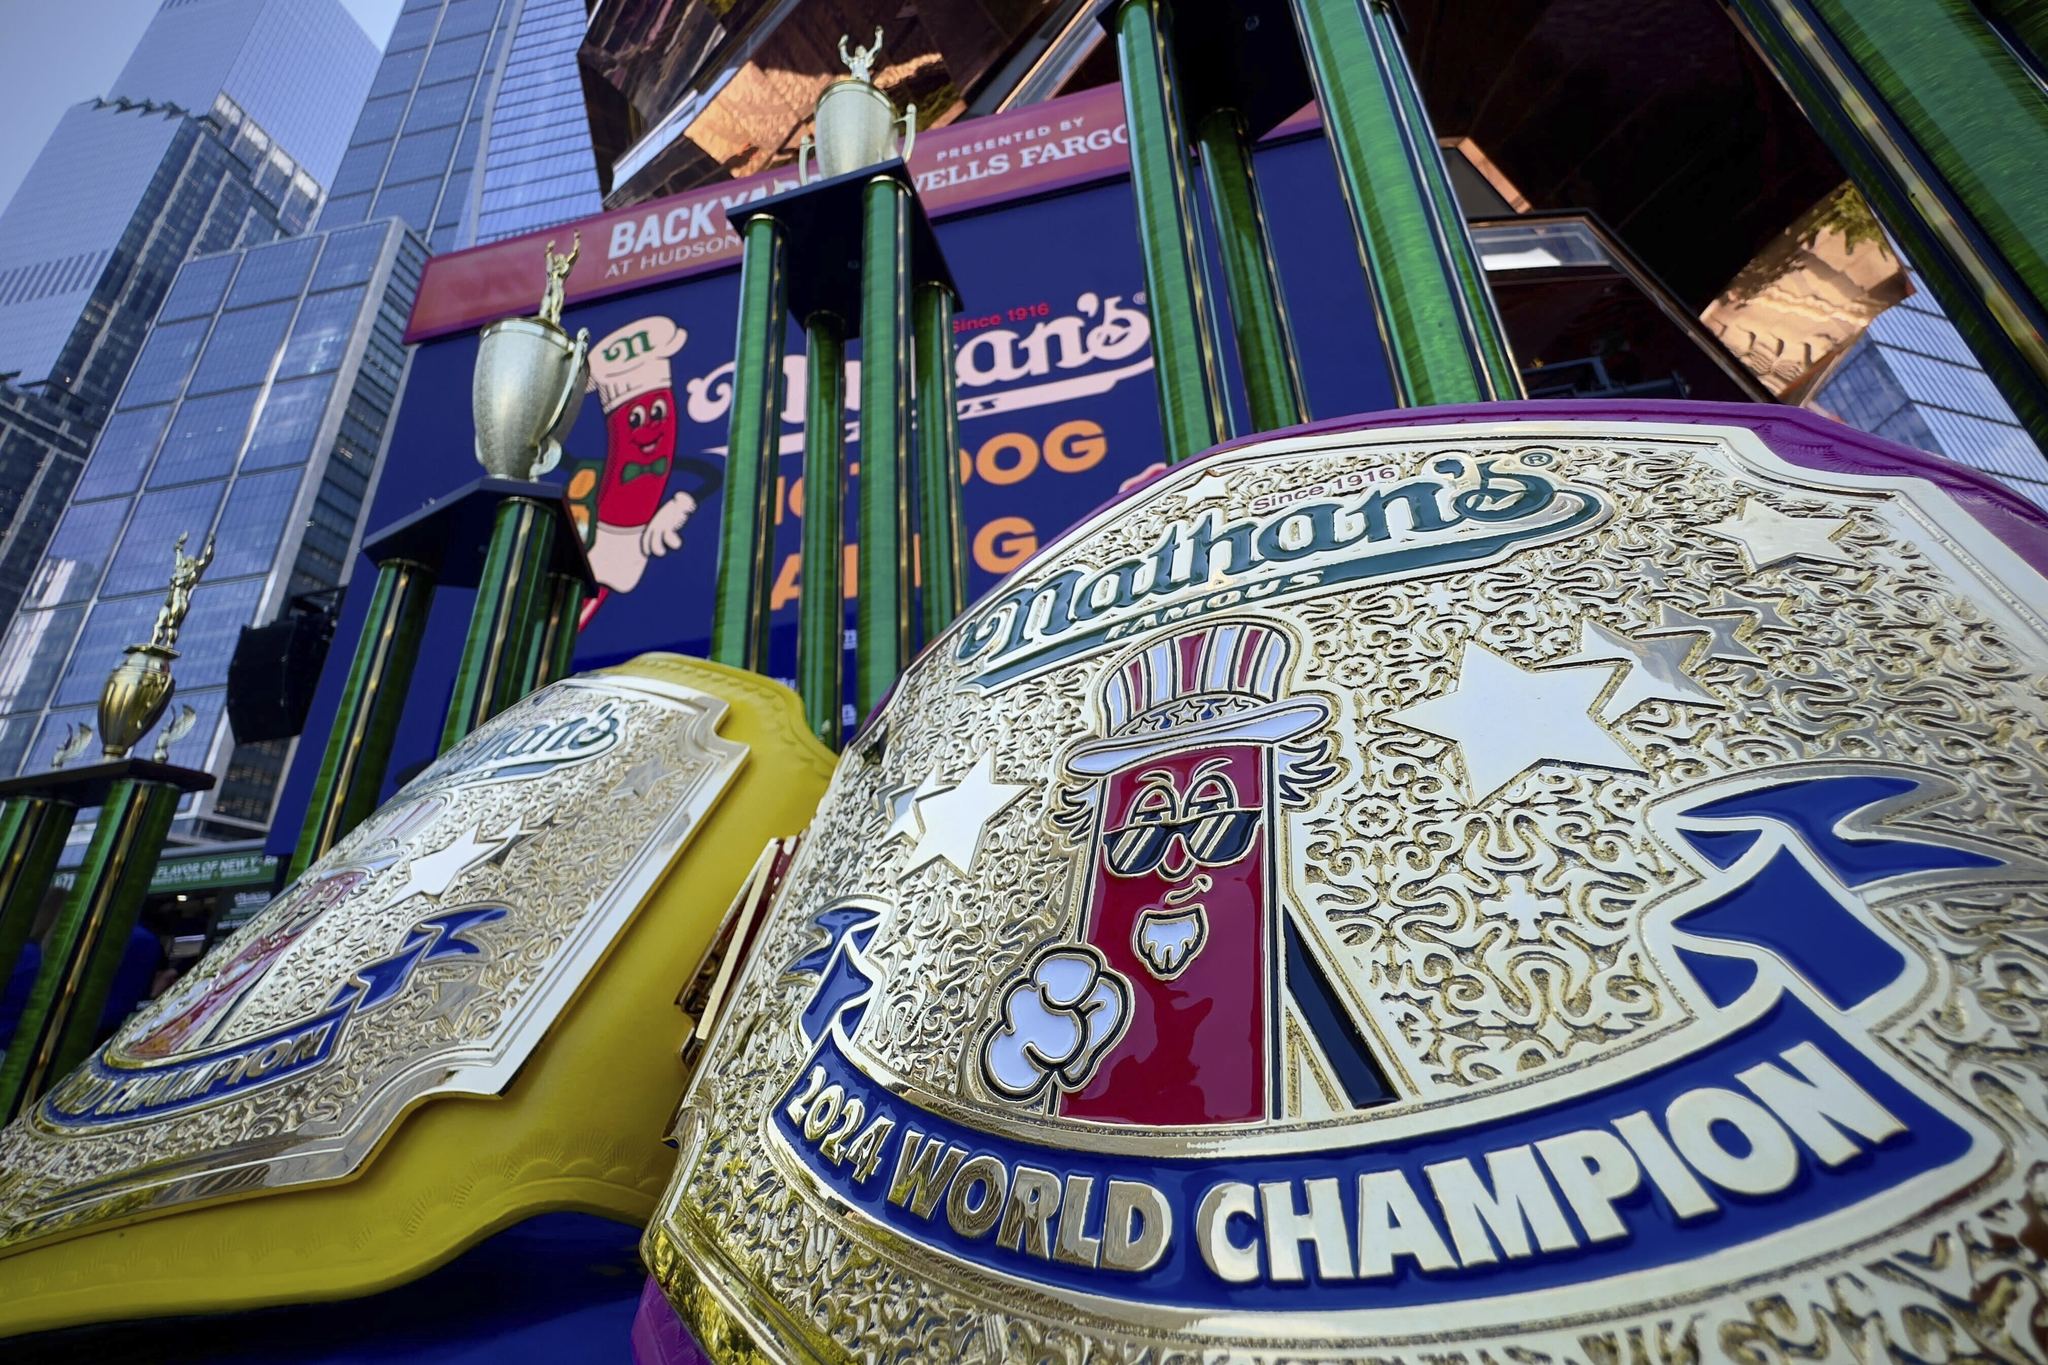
[
  {"x": 1464, "y": 511},
  {"x": 1181, "y": 1084},
  {"x": 1103, "y": 341},
  {"x": 503, "y": 752}
]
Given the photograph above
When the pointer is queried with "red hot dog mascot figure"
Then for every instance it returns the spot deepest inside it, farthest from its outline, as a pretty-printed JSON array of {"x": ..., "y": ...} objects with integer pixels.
[
  {"x": 1185, "y": 929},
  {"x": 637, "y": 518}
]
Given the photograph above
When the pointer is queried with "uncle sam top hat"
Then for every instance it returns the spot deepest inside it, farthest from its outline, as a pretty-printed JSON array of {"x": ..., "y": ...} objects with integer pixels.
[{"x": 1212, "y": 685}]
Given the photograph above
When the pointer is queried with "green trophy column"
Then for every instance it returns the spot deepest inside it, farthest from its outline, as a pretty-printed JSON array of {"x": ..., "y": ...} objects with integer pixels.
[
  {"x": 83, "y": 948},
  {"x": 821, "y": 590},
  {"x": 32, "y": 833},
  {"x": 739, "y": 608},
  {"x": 942, "y": 561},
  {"x": 554, "y": 643},
  {"x": 1191, "y": 408},
  {"x": 1258, "y": 310},
  {"x": 494, "y": 652},
  {"x": 1443, "y": 335},
  {"x": 1945, "y": 132},
  {"x": 883, "y": 643},
  {"x": 366, "y": 720}
]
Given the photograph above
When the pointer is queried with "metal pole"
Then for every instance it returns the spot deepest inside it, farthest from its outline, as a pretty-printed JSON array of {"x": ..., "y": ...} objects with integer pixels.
[
  {"x": 1436, "y": 314},
  {"x": 366, "y": 721},
  {"x": 1258, "y": 310},
  {"x": 821, "y": 593},
  {"x": 942, "y": 549},
  {"x": 507, "y": 605},
  {"x": 1945, "y": 132},
  {"x": 883, "y": 646},
  {"x": 83, "y": 948},
  {"x": 1191, "y": 410},
  {"x": 739, "y": 608},
  {"x": 32, "y": 833},
  {"x": 554, "y": 644}
]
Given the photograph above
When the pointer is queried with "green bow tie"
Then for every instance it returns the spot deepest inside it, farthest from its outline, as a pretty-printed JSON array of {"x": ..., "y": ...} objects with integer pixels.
[{"x": 634, "y": 471}]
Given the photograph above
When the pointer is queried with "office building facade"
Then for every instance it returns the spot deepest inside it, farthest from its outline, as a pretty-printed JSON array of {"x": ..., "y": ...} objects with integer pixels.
[
  {"x": 298, "y": 68},
  {"x": 538, "y": 167},
  {"x": 1911, "y": 378},
  {"x": 254, "y": 415},
  {"x": 258, "y": 409}
]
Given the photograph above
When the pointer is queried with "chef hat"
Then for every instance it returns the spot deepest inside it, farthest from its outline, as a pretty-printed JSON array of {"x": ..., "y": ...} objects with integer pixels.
[{"x": 634, "y": 360}]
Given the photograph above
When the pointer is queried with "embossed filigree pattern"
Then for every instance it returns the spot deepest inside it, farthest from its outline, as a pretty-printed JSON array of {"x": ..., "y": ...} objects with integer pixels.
[{"x": 1494, "y": 939}]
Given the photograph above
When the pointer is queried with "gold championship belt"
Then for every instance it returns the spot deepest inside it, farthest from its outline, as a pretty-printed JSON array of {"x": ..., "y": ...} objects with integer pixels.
[
  {"x": 1532, "y": 890},
  {"x": 463, "y": 1015}
]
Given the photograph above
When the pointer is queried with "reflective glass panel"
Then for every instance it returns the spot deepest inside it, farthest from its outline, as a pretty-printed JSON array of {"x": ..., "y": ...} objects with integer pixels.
[
  {"x": 207, "y": 640},
  {"x": 438, "y": 106},
  {"x": 288, "y": 423},
  {"x": 274, "y": 272},
  {"x": 198, "y": 288},
  {"x": 126, "y": 443},
  {"x": 242, "y": 348},
  {"x": 320, "y": 333},
  {"x": 204, "y": 439},
  {"x": 111, "y": 628},
  {"x": 165, "y": 361},
  {"x": 349, "y": 257},
  {"x": 32, "y": 655},
  {"x": 79, "y": 548},
  {"x": 258, "y": 508}
]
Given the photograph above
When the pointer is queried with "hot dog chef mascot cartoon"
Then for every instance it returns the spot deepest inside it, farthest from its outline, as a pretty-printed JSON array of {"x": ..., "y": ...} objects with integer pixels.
[{"x": 635, "y": 523}]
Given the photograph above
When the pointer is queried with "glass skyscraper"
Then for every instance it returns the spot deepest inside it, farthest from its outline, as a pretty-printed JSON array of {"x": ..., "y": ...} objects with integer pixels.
[
  {"x": 258, "y": 408},
  {"x": 538, "y": 166},
  {"x": 219, "y": 132},
  {"x": 255, "y": 413},
  {"x": 1911, "y": 378},
  {"x": 297, "y": 68}
]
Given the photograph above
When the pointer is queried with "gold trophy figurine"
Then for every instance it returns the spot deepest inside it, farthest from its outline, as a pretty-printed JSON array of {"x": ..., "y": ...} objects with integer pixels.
[
  {"x": 529, "y": 380},
  {"x": 140, "y": 686},
  {"x": 558, "y": 268}
]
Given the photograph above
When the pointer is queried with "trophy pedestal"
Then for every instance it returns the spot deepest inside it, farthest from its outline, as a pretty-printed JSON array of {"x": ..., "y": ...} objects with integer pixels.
[{"x": 136, "y": 800}]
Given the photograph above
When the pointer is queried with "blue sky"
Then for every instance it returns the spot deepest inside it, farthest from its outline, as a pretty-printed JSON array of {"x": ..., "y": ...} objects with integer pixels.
[{"x": 57, "y": 54}]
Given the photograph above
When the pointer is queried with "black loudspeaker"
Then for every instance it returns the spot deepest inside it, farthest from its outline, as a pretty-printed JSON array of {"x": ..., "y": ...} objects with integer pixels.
[{"x": 273, "y": 674}]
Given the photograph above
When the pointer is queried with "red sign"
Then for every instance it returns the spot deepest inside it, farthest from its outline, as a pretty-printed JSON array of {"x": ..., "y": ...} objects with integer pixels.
[{"x": 1062, "y": 142}]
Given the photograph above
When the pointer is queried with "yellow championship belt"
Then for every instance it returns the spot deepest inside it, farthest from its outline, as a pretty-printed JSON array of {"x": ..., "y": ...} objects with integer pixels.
[{"x": 450, "y": 1023}]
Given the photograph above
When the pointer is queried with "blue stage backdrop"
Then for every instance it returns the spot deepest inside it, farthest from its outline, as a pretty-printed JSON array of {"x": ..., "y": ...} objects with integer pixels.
[{"x": 1058, "y": 411}]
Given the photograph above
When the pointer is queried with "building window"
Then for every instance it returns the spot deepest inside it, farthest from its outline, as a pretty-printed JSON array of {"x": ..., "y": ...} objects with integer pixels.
[
  {"x": 111, "y": 628},
  {"x": 349, "y": 258},
  {"x": 80, "y": 548},
  {"x": 275, "y": 272},
  {"x": 291, "y": 421},
  {"x": 439, "y": 106},
  {"x": 321, "y": 332},
  {"x": 204, "y": 439},
  {"x": 198, "y": 290},
  {"x": 258, "y": 508},
  {"x": 123, "y": 452},
  {"x": 242, "y": 348},
  {"x": 32, "y": 656},
  {"x": 165, "y": 361}
]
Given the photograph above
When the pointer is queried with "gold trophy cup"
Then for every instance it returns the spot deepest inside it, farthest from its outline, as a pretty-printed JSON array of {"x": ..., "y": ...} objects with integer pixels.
[
  {"x": 140, "y": 687},
  {"x": 528, "y": 383},
  {"x": 856, "y": 123}
]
